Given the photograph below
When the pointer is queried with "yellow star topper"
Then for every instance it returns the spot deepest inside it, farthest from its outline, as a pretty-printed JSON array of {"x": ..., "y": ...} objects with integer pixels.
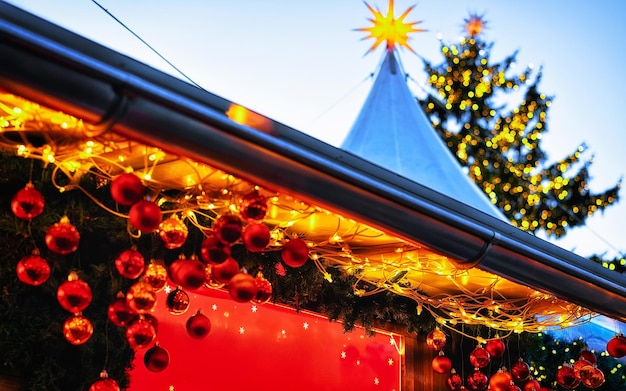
[{"x": 395, "y": 31}]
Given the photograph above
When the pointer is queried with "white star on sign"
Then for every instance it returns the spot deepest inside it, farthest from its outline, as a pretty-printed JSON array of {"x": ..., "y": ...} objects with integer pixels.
[{"x": 242, "y": 330}]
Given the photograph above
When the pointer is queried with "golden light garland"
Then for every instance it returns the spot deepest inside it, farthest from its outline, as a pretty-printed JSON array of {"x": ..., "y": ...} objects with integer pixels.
[{"x": 380, "y": 262}]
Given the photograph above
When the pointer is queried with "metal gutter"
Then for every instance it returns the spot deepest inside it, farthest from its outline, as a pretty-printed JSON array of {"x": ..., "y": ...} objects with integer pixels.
[{"x": 59, "y": 69}]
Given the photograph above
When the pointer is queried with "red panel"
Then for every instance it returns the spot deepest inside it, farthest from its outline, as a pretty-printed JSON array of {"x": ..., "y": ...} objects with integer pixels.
[{"x": 267, "y": 347}]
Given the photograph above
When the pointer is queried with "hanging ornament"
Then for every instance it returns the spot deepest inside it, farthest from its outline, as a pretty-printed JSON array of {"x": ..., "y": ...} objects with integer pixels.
[
  {"x": 127, "y": 189},
  {"x": 595, "y": 379},
  {"x": 198, "y": 325},
  {"x": 264, "y": 289},
  {"x": 213, "y": 250},
  {"x": 454, "y": 381},
  {"x": 210, "y": 282},
  {"x": 156, "y": 359},
  {"x": 516, "y": 388},
  {"x": 495, "y": 347},
  {"x": 74, "y": 295},
  {"x": 140, "y": 333},
  {"x": 617, "y": 346},
  {"x": 256, "y": 237},
  {"x": 62, "y": 237},
  {"x": 33, "y": 269},
  {"x": 145, "y": 216},
  {"x": 77, "y": 329},
  {"x": 501, "y": 380},
  {"x": 141, "y": 297},
  {"x": 479, "y": 357},
  {"x": 223, "y": 272},
  {"x": 27, "y": 203},
  {"x": 177, "y": 301},
  {"x": 441, "y": 363},
  {"x": 520, "y": 370},
  {"x": 295, "y": 253},
  {"x": 227, "y": 228},
  {"x": 578, "y": 365},
  {"x": 242, "y": 287},
  {"x": 188, "y": 273},
  {"x": 566, "y": 377},
  {"x": 118, "y": 312},
  {"x": 130, "y": 263},
  {"x": 477, "y": 381},
  {"x": 104, "y": 383},
  {"x": 436, "y": 339},
  {"x": 173, "y": 232},
  {"x": 155, "y": 275},
  {"x": 532, "y": 385},
  {"x": 253, "y": 206},
  {"x": 587, "y": 355}
]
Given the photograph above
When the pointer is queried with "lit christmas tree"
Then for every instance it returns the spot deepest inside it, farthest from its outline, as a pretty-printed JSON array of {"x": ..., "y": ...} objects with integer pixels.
[{"x": 501, "y": 145}]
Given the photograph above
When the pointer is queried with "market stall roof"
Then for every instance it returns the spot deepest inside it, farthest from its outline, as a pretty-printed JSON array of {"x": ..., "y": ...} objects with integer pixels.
[{"x": 364, "y": 217}]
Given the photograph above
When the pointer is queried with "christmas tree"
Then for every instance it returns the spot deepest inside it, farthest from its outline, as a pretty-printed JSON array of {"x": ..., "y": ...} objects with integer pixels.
[{"x": 500, "y": 143}]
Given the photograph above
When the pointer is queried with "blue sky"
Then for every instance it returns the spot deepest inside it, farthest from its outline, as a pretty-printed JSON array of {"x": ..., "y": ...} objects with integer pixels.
[{"x": 302, "y": 63}]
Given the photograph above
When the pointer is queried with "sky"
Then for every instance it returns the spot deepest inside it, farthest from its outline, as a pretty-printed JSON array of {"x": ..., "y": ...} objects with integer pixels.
[{"x": 303, "y": 64}]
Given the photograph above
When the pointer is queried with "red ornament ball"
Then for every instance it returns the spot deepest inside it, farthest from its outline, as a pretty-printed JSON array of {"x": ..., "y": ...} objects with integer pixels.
[
  {"x": 74, "y": 295},
  {"x": 213, "y": 250},
  {"x": 118, "y": 311},
  {"x": 454, "y": 382},
  {"x": 62, "y": 237},
  {"x": 77, "y": 330},
  {"x": 141, "y": 297},
  {"x": 479, "y": 357},
  {"x": 495, "y": 347},
  {"x": 477, "y": 381},
  {"x": 33, "y": 269},
  {"x": 223, "y": 272},
  {"x": 173, "y": 232},
  {"x": 227, "y": 228},
  {"x": 532, "y": 385},
  {"x": 155, "y": 275},
  {"x": 588, "y": 355},
  {"x": 27, "y": 203},
  {"x": 156, "y": 359},
  {"x": 104, "y": 383},
  {"x": 198, "y": 325},
  {"x": 264, "y": 290},
  {"x": 145, "y": 216},
  {"x": 441, "y": 363},
  {"x": 500, "y": 381},
  {"x": 520, "y": 370},
  {"x": 581, "y": 365},
  {"x": 140, "y": 333},
  {"x": 130, "y": 264},
  {"x": 436, "y": 339},
  {"x": 177, "y": 302},
  {"x": 242, "y": 287},
  {"x": 566, "y": 377},
  {"x": 256, "y": 237},
  {"x": 253, "y": 206},
  {"x": 188, "y": 273},
  {"x": 127, "y": 189},
  {"x": 595, "y": 379},
  {"x": 295, "y": 253},
  {"x": 617, "y": 346}
]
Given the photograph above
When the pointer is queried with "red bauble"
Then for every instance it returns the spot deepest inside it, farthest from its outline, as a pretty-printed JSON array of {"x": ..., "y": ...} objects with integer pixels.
[
  {"x": 145, "y": 216},
  {"x": 479, "y": 357},
  {"x": 454, "y": 381},
  {"x": 477, "y": 381},
  {"x": 77, "y": 330},
  {"x": 617, "y": 346},
  {"x": 256, "y": 237},
  {"x": 532, "y": 385},
  {"x": 118, "y": 311},
  {"x": 198, "y": 325},
  {"x": 223, "y": 272},
  {"x": 141, "y": 297},
  {"x": 140, "y": 333},
  {"x": 515, "y": 388},
  {"x": 495, "y": 347},
  {"x": 295, "y": 253},
  {"x": 62, "y": 237},
  {"x": 264, "y": 289},
  {"x": 188, "y": 273},
  {"x": 253, "y": 206},
  {"x": 33, "y": 269},
  {"x": 242, "y": 287},
  {"x": 127, "y": 189},
  {"x": 177, "y": 302},
  {"x": 441, "y": 363},
  {"x": 566, "y": 377},
  {"x": 27, "y": 203},
  {"x": 436, "y": 339},
  {"x": 595, "y": 379},
  {"x": 130, "y": 264},
  {"x": 156, "y": 359},
  {"x": 501, "y": 381},
  {"x": 104, "y": 383},
  {"x": 520, "y": 370},
  {"x": 578, "y": 365},
  {"x": 227, "y": 228},
  {"x": 173, "y": 232},
  {"x": 155, "y": 275},
  {"x": 213, "y": 250},
  {"x": 588, "y": 355},
  {"x": 74, "y": 295}
]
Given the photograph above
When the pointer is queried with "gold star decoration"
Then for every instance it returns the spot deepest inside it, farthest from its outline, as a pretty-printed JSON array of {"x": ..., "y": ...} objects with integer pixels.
[
  {"x": 474, "y": 25},
  {"x": 388, "y": 28}
]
